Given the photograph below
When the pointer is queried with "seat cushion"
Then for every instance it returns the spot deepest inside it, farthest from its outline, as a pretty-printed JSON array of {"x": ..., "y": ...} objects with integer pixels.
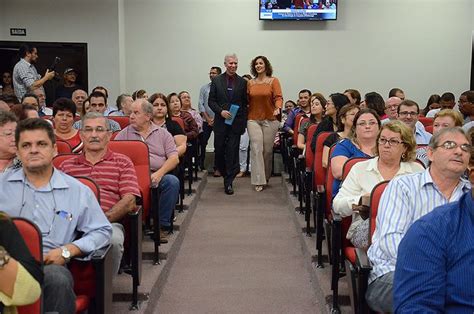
[{"x": 350, "y": 254}]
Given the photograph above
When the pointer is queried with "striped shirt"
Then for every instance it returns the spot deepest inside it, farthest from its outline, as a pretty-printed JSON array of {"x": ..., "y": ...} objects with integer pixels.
[
  {"x": 406, "y": 199},
  {"x": 24, "y": 75},
  {"x": 114, "y": 174}
]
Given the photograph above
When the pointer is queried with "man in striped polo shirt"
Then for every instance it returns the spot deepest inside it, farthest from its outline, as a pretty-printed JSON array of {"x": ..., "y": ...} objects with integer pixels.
[
  {"x": 114, "y": 173},
  {"x": 409, "y": 197}
]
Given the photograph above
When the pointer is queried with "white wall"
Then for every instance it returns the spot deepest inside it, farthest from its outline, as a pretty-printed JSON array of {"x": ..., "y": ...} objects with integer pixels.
[
  {"x": 421, "y": 46},
  {"x": 84, "y": 21}
]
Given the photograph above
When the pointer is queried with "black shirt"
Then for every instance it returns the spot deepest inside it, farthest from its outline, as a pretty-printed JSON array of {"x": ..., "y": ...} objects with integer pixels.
[{"x": 173, "y": 127}]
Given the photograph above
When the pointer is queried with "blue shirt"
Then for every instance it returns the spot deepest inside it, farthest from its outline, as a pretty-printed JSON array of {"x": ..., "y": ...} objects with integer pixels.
[
  {"x": 203, "y": 105},
  {"x": 346, "y": 148},
  {"x": 290, "y": 120},
  {"x": 422, "y": 137},
  {"x": 435, "y": 262},
  {"x": 405, "y": 200},
  {"x": 62, "y": 210}
]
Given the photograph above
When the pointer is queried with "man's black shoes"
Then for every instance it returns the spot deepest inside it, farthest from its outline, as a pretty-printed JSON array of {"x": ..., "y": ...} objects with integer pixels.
[{"x": 229, "y": 190}]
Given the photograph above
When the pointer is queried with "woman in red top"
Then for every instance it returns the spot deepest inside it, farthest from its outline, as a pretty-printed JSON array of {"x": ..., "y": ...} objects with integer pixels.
[
  {"x": 64, "y": 111},
  {"x": 265, "y": 101},
  {"x": 190, "y": 126}
]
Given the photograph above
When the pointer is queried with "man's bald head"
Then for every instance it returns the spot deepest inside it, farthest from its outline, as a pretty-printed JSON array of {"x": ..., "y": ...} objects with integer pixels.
[{"x": 4, "y": 106}]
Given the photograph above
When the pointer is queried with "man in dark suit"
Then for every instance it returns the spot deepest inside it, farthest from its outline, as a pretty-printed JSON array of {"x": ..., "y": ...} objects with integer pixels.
[{"x": 226, "y": 90}]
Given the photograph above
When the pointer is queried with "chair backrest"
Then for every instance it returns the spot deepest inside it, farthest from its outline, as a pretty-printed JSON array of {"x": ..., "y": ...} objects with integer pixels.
[
  {"x": 328, "y": 184},
  {"x": 349, "y": 164},
  {"x": 319, "y": 171},
  {"x": 91, "y": 184},
  {"x": 138, "y": 152},
  {"x": 114, "y": 135},
  {"x": 309, "y": 155},
  {"x": 59, "y": 159},
  {"x": 34, "y": 242},
  {"x": 426, "y": 121},
  {"x": 63, "y": 147},
  {"x": 298, "y": 119},
  {"x": 429, "y": 128},
  {"x": 179, "y": 121},
  {"x": 375, "y": 196},
  {"x": 123, "y": 121}
]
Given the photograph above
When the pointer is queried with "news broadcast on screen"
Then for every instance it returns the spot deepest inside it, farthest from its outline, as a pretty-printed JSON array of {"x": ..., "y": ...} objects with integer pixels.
[{"x": 298, "y": 10}]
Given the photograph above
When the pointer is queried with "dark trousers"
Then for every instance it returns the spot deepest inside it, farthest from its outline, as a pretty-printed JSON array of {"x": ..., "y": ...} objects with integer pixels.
[
  {"x": 58, "y": 290},
  {"x": 203, "y": 140},
  {"x": 226, "y": 145}
]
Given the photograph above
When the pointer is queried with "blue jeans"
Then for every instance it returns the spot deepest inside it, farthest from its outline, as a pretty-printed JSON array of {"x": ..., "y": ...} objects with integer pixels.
[
  {"x": 58, "y": 289},
  {"x": 168, "y": 189},
  {"x": 379, "y": 294}
]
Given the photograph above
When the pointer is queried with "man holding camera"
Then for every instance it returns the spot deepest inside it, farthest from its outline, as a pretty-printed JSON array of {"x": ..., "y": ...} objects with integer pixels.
[{"x": 25, "y": 75}]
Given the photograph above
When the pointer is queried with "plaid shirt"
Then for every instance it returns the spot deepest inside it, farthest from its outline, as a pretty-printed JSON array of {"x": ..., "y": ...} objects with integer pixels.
[{"x": 24, "y": 75}]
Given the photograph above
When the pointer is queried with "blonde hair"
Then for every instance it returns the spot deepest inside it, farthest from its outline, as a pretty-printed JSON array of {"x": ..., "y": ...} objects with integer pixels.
[
  {"x": 455, "y": 115},
  {"x": 406, "y": 134}
]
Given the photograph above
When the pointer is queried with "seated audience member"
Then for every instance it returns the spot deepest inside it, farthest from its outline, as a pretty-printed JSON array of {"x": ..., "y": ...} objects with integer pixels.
[
  {"x": 163, "y": 157},
  {"x": 64, "y": 111},
  {"x": 447, "y": 101},
  {"x": 375, "y": 101},
  {"x": 114, "y": 173},
  {"x": 185, "y": 99},
  {"x": 190, "y": 126},
  {"x": 8, "y": 160},
  {"x": 43, "y": 110},
  {"x": 409, "y": 197},
  {"x": 162, "y": 119},
  {"x": 105, "y": 92},
  {"x": 86, "y": 107},
  {"x": 21, "y": 274},
  {"x": 345, "y": 120},
  {"x": 304, "y": 107},
  {"x": 466, "y": 98},
  {"x": 353, "y": 95},
  {"x": 23, "y": 112},
  {"x": 396, "y": 92},
  {"x": 6, "y": 86},
  {"x": 98, "y": 103},
  {"x": 391, "y": 108},
  {"x": 433, "y": 103},
  {"x": 78, "y": 97},
  {"x": 329, "y": 124},
  {"x": 140, "y": 94},
  {"x": 289, "y": 105},
  {"x": 61, "y": 207},
  {"x": 4, "y": 106},
  {"x": 361, "y": 143},
  {"x": 69, "y": 84},
  {"x": 317, "y": 110},
  {"x": 408, "y": 112},
  {"x": 395, "y": 157},
  {"x": 31, "y": 100},
  {"x": 123, "y": 106},
  {"x": 10, "y": 100}
]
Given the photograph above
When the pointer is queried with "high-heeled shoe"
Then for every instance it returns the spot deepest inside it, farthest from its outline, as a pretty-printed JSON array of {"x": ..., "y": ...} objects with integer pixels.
[{"x": 259, "y": 188}]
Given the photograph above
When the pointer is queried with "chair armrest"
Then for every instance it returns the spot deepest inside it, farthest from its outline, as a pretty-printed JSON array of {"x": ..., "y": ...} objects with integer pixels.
[
  {"x": 336, "y": 217},
  {"x": 320, "y": 188},
  {"x": 362, "y": 260}
]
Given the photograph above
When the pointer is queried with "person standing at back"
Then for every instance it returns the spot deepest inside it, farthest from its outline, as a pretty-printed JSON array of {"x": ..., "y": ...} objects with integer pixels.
[
  {"x": 228, "y": 91},
  {"x": 265, "y": 101}
]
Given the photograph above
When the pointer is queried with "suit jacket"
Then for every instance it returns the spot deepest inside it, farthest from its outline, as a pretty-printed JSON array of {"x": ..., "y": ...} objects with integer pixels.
[{"x": 218, "y": 101}]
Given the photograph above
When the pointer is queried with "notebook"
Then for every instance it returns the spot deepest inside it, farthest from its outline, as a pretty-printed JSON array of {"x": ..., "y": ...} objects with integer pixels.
[{"x": 233, "y": 111}]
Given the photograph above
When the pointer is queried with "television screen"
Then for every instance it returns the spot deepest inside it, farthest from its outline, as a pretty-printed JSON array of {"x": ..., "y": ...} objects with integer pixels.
[{"x": 315, "y": 10}]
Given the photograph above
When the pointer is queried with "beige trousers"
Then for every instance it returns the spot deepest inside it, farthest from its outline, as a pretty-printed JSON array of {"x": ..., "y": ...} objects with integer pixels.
[{"x": 262, "y": 135}]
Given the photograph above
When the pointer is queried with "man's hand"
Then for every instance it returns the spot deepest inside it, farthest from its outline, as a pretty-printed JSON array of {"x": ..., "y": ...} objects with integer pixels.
[
  {"x": 156, "y": 178},
  {"x": 210, "y": 121},
  {"x": 49, "y": 75},
  {"x": 276, "y": 112},
  {"x": 226, "y": 114},
  {"x": 54, "y": 257}
]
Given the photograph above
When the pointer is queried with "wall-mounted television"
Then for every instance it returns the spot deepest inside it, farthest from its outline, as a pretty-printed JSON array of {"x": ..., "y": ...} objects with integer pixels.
[{"x": 312, "y": 10}]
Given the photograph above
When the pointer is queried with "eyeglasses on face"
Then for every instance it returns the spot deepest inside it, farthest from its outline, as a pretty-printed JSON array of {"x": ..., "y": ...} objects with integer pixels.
[
  {"x": 449, "y": 145},
  {"x": 408, "y": 113},
  {"x": 391, "y": 142},
  {"x": 7, "y": 133}
]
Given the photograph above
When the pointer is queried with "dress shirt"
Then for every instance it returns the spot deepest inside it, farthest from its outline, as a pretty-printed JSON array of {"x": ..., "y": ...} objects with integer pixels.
[
  {"x": 405, "y": 200},
  {"x": 113, "y": 125},
  {"x": 432, "y": 112},
  {"x": 290, "y": 120},
  {"x": 81, "y": 213},
  {"x": 353, "y": 187},
  {"x": 203, "y": 105},
  {"x": 434, "y": 266},
  {"x": 24, "y": 75},
  {"x": 466, "y": 127},
  {"x": 422, "y": 137}
]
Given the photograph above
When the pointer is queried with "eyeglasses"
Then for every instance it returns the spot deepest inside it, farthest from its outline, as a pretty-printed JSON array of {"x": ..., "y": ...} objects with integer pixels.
[
  {"x": 449, "y": 145},
  {"x": 364, "y": 123},
  {"x": 408, "y": 113},
  {"x": 99, "y": 129},
  {"x": 391, "y": 142}
]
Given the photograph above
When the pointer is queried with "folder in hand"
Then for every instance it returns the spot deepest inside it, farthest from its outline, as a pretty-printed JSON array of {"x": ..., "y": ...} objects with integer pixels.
[{"x": 233, "y": 111}]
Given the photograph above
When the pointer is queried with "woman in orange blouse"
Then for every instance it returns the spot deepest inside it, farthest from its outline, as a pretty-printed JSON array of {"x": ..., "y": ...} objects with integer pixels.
[{"x": 265, "y": 101}]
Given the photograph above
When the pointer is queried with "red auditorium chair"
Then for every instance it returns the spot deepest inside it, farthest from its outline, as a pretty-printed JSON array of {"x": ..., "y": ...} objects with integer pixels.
[
  {"x": 187, "y": 164},
  {"x": 63, "y": 147},
  {"x": 114, "y": 135},
  {"x": 123, "y": 121},
  {"x": 426, "y": 121},
  {"x": 181, "y": 166},
  {"x": 340, "y": 245},
  {"x": 319, "y": 178},
  {"x": 295, "y": 153},
  {"x": 306, "y": 162},
  {"x": 429, "y": 128},
  {"x": 33, "y": 240}
]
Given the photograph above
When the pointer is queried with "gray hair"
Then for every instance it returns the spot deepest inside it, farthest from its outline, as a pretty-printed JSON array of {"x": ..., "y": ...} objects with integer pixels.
[
  {"x": 6, "y": 117},
  {"x": 147, "y": 108},
  {"x": 230, "y": 55},
  {"x": 94, "y": 115},
  {"x": 434, "y": 141}
]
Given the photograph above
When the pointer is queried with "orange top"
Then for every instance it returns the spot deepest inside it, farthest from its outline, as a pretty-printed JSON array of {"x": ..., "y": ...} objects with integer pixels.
[{"x": 264, "y": 97}]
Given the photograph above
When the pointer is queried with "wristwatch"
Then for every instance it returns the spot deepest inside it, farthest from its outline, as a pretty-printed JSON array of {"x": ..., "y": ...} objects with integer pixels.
[
  {"x": 66, "y": 254},
  {"x": 4, "y": 257}
]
